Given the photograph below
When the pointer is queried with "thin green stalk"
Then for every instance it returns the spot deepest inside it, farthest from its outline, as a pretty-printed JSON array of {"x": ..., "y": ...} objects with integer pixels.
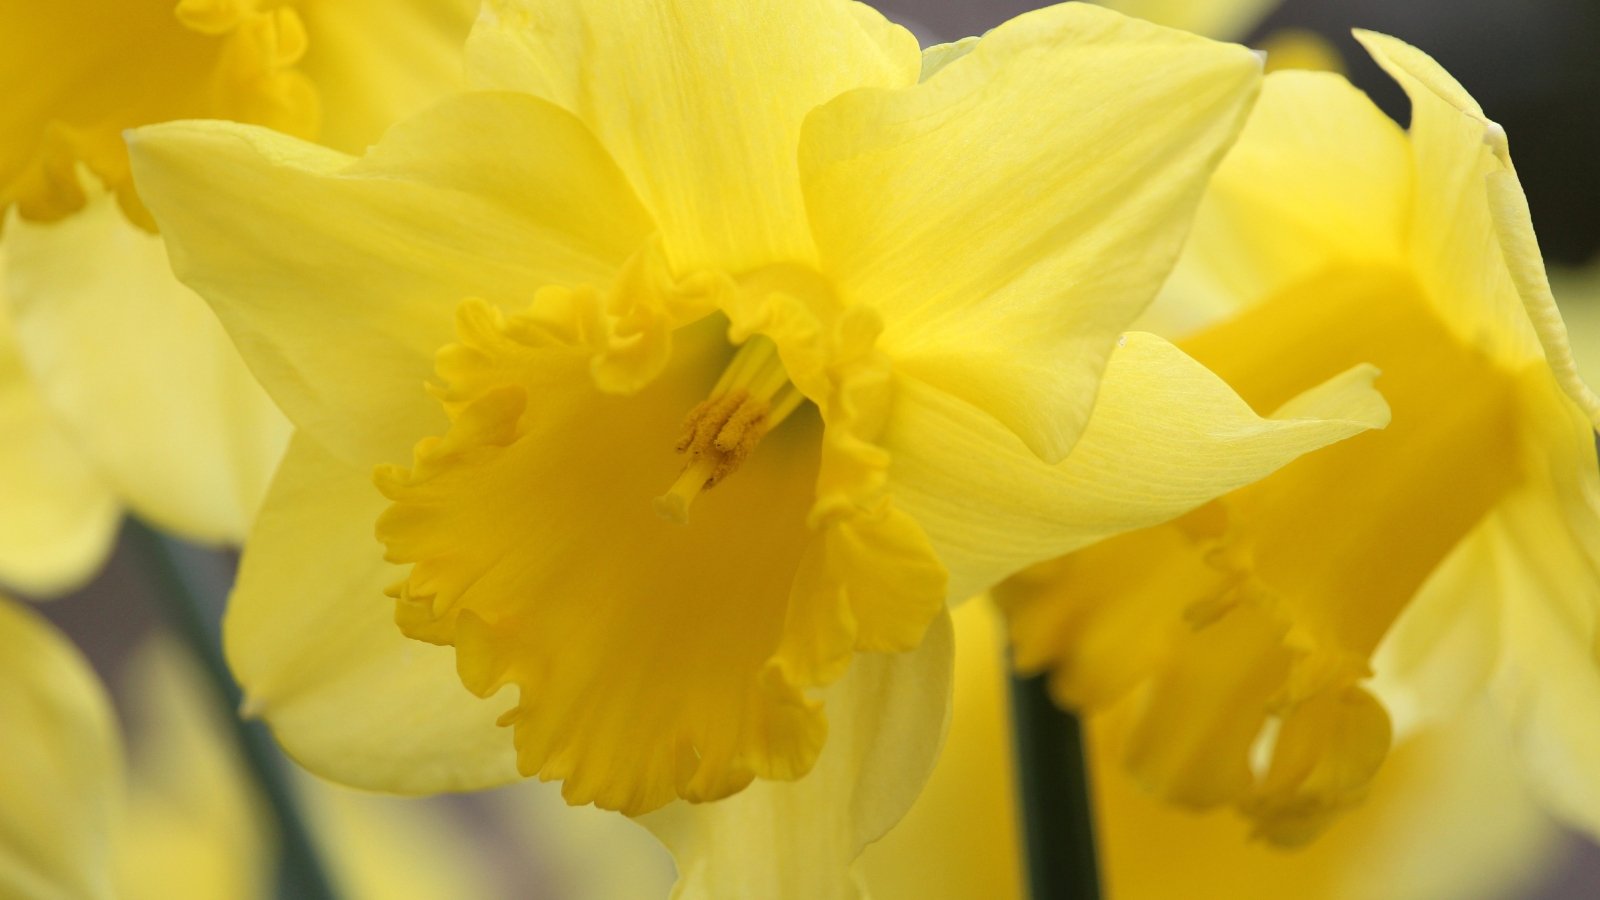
[
  {"x": 301, "y": 875},
  {"x": 1053, "y": 786}
]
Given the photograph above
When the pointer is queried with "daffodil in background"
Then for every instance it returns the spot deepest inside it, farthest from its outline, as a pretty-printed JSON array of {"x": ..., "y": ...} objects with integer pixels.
[
  {"x": 724, "y": 402},
  {"x": 1454, "y": 553},
  {"x": 117, "y": 387},
  {"x": 1447, "y": 818}
]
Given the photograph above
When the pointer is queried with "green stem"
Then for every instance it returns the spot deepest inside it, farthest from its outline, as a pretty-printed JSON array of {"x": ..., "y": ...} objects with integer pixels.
[
  {"x": 1053, "y": 784},
  {"x": 301, "y": 874}
]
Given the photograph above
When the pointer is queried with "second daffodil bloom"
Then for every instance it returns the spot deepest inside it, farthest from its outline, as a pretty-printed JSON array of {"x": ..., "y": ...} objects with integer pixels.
[
  {"x": 1454, "y": 552},
  {"x": 750, "y": 337},
  {"x": 117, "y": 387}
]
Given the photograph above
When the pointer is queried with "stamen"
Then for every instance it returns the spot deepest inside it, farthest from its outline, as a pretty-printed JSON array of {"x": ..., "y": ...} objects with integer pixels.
[{"x": 751, "y": 398}]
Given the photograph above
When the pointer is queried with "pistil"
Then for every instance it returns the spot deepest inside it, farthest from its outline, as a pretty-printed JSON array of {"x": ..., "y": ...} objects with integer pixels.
[{"x": 752, "y": 396}]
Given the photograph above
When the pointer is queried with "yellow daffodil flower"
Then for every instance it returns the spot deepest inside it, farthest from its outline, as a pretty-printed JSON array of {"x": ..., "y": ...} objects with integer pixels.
[
  {"x": 1447, "y": 818},
  {"x": 1459, "y": 545},
  {"x": 751, "y": 338},
  {"x": 117, "y": 386}
]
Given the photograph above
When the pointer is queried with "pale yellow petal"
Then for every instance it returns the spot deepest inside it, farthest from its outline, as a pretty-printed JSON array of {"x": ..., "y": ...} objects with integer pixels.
[
  {"x": 60, "y": 785},
  {"x": 1472, "y": 251},
  {"x": 191, "y": 807},
  {"x": 798, "y": 840},
  {"x": 338, "y": 278},
  {"x": 138, "y": 371},
  {"x": 1320, "y": 177},
  {"x": 960, "y": 839},
  {"x": 1012, "y": 214},
  {"x": 1547, "y": 678},
  {"x": 1439, "y": 654},
  {"x": 1473, "y": 232},
  {"x": 311, "y": 637},
  {"x": 703, "y": 117},
  {"x": 375, "y": 62},
  {"x": 59, "y": 516},
  {"x": 1166, "y": 436}
]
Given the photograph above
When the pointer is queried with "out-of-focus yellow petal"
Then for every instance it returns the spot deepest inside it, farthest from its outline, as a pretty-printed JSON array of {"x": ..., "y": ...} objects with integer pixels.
[
  {"x": 1166, "y": 436},
  {"x": 80, "y": 72},
  {"x": 62, "y": 779},
  {"x": 1051, "y": 247},
  {"x": 138, "y": 371},
  {"x": 1446, "y": 819},
  {"x": 1221, "y": 19},
  {"x": 401, "y": 848},
  {"x": 1281, "y": 207},
  {"x": 886, "y": 718},
  {"x": 1545, "y": 544},
  {"x": 59, "y": 517},
  {"x": 193, "y": 828},
  {"x": 377, "y": 61},
  {"x": 338, "y": 277},
  {"x": 725, "y": 101},
  {"x": 311, "y": 637},
  {"x": 1298, "y": 48},
  {"x": 960, "y": 840}
]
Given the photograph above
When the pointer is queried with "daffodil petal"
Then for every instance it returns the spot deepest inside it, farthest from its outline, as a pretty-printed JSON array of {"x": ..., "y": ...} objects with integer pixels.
[
  {"x": 714, "y": 158},
  {"x": 1453, "y": 234},
  {"x": 1281, "y": 207},
  {"x": 59, "y": 517},
  {"x": 798, "y": 839},
  {"x": 338, "y": 278},
  {"x": 138, "y": 371},
  {"x": 375, "y": 62},
  {"x": 191, "y": 807},
  {"x": 1545, "y": 544},
  {"x": 62, "y": 775},
  {"x": 1438, "y": 656},
  {"x": 311, "y": 637},
  {"x": 931, "y": 853},
  {"x": 1098, "y": 131},
  {"x": 1166, "y": 436}
]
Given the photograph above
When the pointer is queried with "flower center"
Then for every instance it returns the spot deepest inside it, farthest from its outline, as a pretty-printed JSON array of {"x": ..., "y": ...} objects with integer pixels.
[{"x": 751, "y": 398}]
